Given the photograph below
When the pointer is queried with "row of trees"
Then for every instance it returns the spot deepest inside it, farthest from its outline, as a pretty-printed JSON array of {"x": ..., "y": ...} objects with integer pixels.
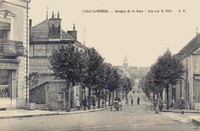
[
  {"x": 167, "y": 70},
  {"x": 86, "y": 68}
]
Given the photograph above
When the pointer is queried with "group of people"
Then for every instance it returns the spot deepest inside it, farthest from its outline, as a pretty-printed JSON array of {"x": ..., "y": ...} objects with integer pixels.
[
  {"x": 138, "y": 100},
  {"x": 158, "y": 105}
]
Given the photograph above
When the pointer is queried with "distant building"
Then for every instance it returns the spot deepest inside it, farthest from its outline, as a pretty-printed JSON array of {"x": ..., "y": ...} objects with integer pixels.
[
  {"x": 130, "y": 71},
  {"x": 125, "y": 64},
  {"x": 13, "y": 42},
  {"x": 189, "y": 88}
]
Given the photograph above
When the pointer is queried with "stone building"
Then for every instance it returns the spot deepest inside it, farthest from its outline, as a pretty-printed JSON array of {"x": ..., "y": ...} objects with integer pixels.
[
  {"x": 44, "y": 37},
  {"x": 189, "y": 88},
  {"x": 13, "y": 41}
]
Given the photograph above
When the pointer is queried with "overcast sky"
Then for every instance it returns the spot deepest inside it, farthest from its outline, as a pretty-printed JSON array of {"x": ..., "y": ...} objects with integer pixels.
[{"x": 142, "y": 37}]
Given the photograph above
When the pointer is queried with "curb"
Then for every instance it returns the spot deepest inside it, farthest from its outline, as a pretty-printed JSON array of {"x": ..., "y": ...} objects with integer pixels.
[
  {"x": 196, "y": 122},
  {"x": 86, "y": 111},
  {"x": 180, "y": 111},
  {"x": 176, "y": 117},
  {"x": 52, "y": 114}
]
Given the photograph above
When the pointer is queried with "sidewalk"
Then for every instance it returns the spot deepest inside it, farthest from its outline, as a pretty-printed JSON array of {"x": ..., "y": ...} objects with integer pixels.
[
  {"x": 183, "y": 115},
  {"x": 7, "y": 114}
]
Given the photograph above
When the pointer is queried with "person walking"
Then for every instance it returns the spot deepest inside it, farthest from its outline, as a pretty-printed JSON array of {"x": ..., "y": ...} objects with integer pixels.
[
  {"x": 138, "y": 100},
  {"x": 126, "y": 100},
  {"x": 85, "y": 103},
  {"x": 132, "y": 101},
  {"x": 155, "y": 103}
]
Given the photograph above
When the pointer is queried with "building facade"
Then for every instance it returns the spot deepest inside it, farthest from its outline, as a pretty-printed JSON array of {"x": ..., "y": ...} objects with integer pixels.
[
  {"x": 13, "y": 18},
  {"x": 44, "y": 37},
  {"x": 189, "y": 87}
]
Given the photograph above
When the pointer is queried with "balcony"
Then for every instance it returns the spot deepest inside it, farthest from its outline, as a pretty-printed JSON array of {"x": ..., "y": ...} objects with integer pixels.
[{"x": 11, "y": 48}]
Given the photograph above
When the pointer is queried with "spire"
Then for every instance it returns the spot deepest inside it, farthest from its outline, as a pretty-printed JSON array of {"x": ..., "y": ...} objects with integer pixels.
[
  {"x": 125, "y": 59},
  {"x": 125, "y": 63}
]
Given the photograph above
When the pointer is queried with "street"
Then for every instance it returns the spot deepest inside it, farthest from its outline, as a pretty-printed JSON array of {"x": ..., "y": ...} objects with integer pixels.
[{"x": 130, "y": 118}]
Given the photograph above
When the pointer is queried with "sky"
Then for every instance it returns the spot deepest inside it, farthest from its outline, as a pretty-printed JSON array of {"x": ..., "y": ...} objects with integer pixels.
[{"x": 141, "y": 36}]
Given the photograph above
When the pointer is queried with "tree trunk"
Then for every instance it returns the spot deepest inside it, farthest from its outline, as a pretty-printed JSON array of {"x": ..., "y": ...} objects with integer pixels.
[
  {"x": 113, "y": 97},
  {"x": 109, "y": 97},
  {"x": 98, "y": 95},
  {"x": 167, "y": 90},
  {"x": 153, "y": 95},
  {"x": 89, "y": 98},
  {"x": 105, "y": 97}
]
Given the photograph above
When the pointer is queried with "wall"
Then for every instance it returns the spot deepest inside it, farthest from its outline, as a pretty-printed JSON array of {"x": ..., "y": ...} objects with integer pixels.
[
  {"x": 38, "y": 95},
  {"x": 196, "y": 68},
  {"x": 52, "y": 89}
]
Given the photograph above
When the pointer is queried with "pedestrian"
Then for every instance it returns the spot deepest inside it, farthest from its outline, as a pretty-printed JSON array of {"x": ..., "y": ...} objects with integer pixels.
[
  {"x": 138, "y": 100},
  {"x": 77, "y": 102},
  {"x": 132, "y": 101},
  {"x": 182, "y": 104},
  {"x": 155, "y": 103},
  {"x": 93, "y": 103},
  {"x": 160, "y": 105},
  {"x": 126, "y": 100},
  {"x": 85, "y": 103}
]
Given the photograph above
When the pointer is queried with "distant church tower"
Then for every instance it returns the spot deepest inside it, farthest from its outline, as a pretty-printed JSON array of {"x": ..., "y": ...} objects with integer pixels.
[{"x": 125, "y": 63}]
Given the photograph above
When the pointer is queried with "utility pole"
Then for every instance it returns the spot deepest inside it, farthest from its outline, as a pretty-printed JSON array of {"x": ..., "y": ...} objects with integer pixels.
[
  {"x": 27, "y": 51},
  {"x": 84, "y": 37}
]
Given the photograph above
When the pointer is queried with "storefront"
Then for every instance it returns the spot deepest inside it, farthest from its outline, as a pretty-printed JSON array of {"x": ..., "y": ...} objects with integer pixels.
[{"x": 8, "y": 83}]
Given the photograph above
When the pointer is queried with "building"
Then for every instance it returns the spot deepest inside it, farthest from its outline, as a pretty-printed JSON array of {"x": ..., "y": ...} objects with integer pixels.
[
  {"x": 45, "y": 37},
  {"x": 13, "y": 18},
  {"x": 132, "y": 71},
  {"x": 189, "y": 88}
]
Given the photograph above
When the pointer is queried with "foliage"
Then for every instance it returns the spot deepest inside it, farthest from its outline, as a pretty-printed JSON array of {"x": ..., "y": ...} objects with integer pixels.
[
  {"x": 93, "y": 64},
  {"x": 126, "y": 84},
  {"x": 86, "y": 68},
  {"x": 167, "y": 70},
  {"x": 68, "y": 63},
  {"x": 33, "y": 79}
]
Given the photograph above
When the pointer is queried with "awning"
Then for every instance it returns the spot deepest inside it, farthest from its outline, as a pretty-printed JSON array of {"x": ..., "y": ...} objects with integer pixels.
[{"x": 4, "y": 26}]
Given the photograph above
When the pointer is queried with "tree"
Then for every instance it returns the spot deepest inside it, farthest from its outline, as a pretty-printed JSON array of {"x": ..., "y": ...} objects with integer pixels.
[
  {"x": 170, "y": 70},
  {"x": 33, "y": 79},
  {"x": 126, "y": 84},
  {"x": 68, "y": 63},
  {"x": 167, "y": 70},
  {"x": 93, "y": 64}
]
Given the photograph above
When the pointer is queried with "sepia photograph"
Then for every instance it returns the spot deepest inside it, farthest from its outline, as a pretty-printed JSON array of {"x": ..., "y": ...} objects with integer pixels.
[{"x": 99, "y": 65}]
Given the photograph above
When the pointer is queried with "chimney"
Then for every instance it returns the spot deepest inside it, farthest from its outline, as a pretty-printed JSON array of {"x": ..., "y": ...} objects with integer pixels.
[
  {"x": 52, "y": 14},
  {"x": 55, "y": 27},
  {"x": 73, "y": 33},
  {"x": 58, "y": 15}
]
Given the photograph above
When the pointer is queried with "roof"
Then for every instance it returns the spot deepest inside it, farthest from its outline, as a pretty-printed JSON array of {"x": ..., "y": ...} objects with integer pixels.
[
  {"x": 49, "y": 82},
  {"x": 40, "y": 32},
  {"x": 191, "y": 47}
]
